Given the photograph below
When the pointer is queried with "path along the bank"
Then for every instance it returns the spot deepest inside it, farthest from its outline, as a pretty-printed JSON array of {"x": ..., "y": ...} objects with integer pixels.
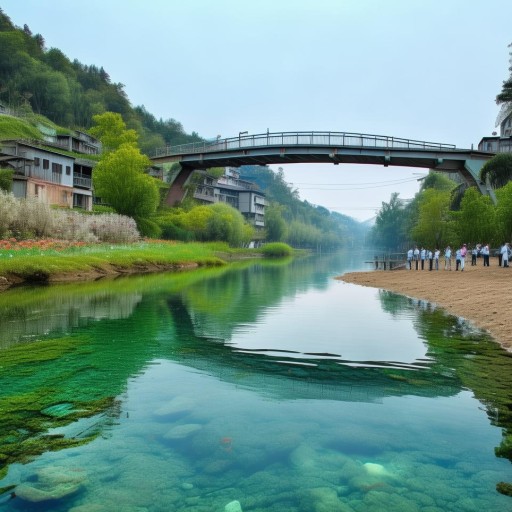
[{"x": 482, "y": 295}]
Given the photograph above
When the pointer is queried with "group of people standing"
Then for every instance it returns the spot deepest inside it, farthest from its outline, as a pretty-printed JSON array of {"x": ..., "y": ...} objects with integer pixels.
[{"x": 420, "y": 256}]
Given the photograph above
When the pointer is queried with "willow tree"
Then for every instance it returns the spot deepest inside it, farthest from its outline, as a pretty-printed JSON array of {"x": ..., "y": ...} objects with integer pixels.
[
  {"x": 498, "y": 170},
  {"x": 434, "y": 227},
  {"x": 388, "y": 231},
  {"x": 476, "y": 219}
]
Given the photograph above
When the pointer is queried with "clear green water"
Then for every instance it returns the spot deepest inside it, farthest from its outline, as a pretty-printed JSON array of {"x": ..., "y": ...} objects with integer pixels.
[{"x": 270, "y": 384}]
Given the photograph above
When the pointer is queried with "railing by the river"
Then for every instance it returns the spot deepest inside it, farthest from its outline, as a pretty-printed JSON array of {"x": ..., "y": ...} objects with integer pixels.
[
  {"x": 389, "y": 261},
  {"x": 337, "y": 139}
]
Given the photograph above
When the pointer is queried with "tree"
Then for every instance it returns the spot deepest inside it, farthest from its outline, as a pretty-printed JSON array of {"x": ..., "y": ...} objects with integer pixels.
[
  {"x": 504, "y": 212},
  {"x": 111, "y": 130},
  {"x": 388, "y": 231},
  {"x": 274, "y": 223},
  {"x": 505, "y": 96},
  {"x": 433, "y": 228},
  {"x": 437, "y": 181},
  {"x": 226, "y": 224},
  {"x": 476, "y": 220},
  {"x": 119, "y": 179},
  {"x": 498, "y": 170}
]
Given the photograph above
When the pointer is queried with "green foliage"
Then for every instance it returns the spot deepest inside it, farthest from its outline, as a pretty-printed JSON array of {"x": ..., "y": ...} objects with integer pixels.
[
  {"x": 6, "y": 179},
  {"x": 504, "y": 213},
  {"x": 226, "y": 224},
  {"x": 476, "y": 220},
  {"x": 388, "y": 231},
  {"x": 275, "y": 224},
  {"x": 110, "y": 129},
  {"x": 276, "y": 250},
  {"x": 434, "y": 227},
  {"x": 438, "y": 181},
  {"x": 216, "y": 222},
  {"x": 120, "y": 181},
  {"x": 149, "y": 228},
  {"x": 498, "y": 170},
  {"x": 216, "y": 172}
]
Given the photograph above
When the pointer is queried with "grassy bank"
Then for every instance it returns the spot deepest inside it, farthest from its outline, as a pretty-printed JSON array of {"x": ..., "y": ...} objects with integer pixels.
[{"x": 50, "y": 261}]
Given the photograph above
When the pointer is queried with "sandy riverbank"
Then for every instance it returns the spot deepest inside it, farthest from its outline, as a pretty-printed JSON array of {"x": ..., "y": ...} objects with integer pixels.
[{"x": 482, "y": 295}]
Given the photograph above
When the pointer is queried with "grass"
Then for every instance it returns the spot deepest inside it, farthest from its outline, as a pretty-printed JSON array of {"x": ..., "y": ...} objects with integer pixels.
[
  {"x": 15, "y": 128},
  {"x": 38, "y": 263}
]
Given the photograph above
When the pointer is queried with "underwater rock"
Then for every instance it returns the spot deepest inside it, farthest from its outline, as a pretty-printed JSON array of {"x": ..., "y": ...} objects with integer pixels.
[
  {"x": 376, "y": 469},
  {"x": 178, "y": 405},
  {"x": 187, "y": 486},
  {"x": 233, "y": 506},
  {"x": 53, "y": 483},
  {"x": 35, "y": 495},
  {"x": 182, "y": 431}
]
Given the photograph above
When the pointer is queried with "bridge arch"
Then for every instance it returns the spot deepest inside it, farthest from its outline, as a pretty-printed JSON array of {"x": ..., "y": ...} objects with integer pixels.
[{"x": 321, "y": 147}]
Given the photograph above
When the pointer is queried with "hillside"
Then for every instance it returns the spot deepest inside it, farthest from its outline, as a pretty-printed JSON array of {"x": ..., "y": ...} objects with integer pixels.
[
  {"x": 48, "y": 91},
  {"x": 34, "y": 79}
]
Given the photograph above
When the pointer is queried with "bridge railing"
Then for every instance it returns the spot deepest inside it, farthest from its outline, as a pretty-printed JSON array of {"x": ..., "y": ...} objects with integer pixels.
[{"x": 337, "y": 139}]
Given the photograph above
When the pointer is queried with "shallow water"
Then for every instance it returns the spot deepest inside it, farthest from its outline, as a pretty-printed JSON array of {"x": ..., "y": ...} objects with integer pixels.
[{"x": 270, "y": 384}]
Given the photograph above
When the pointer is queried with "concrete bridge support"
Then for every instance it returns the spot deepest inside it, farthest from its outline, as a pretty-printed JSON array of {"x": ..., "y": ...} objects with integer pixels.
[{"x": 177, "y": 190}]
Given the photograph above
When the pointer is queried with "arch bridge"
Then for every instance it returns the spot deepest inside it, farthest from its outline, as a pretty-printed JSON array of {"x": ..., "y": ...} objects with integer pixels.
[{"x": 321, "y": 147}]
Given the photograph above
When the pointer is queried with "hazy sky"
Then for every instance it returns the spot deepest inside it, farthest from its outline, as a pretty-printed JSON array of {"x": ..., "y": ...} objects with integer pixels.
[{"x": 420, "y": 69}]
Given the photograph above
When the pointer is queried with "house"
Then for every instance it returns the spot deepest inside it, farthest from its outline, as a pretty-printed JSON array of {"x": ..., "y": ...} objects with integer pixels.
[
  {"x": 501, "y": 143},
  {"x": 79, "y": 142},
  {"x": 240, "y": 194},
  {"x": 45, "y": 173}
]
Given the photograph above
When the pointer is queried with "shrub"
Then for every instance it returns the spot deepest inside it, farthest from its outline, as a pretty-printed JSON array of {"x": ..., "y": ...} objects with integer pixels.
[
  {"x": 29, "y": 218},
  {"x": 6, "y": 179},
  {"x": 149, "y": 228},
  {"x": 276, "y": 250}
]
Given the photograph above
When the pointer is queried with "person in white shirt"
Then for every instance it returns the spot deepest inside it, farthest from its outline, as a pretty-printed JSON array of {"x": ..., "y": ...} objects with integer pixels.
[
  {"x": 504, "y": 255},
  {"x": 416, "y": 256},
  {"x": 448, "y": 258},
  {"x": 409, "y": 258},
  {"x": 463, "y": 252},
  {"x": 423, "y": 255},
  {"x": 485, "y": 254},
  {"x": 437, "y": 252}
]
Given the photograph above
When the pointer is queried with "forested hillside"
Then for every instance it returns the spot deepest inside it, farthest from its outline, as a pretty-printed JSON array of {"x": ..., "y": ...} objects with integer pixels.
[{"x": 45, "y": 81}]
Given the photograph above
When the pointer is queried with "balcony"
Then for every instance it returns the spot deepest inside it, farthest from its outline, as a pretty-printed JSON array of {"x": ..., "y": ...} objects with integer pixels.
[{"x": 81, "y": 180}]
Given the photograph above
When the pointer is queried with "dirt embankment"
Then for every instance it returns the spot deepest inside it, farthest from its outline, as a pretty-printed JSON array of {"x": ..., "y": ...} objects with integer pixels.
[
  {"x": 92, "y": 274},
  {"x": 482, "y": 295}
]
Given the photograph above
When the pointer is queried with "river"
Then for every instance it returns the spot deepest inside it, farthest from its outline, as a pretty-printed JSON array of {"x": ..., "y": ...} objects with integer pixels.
[{"x": 262, "y": 386}]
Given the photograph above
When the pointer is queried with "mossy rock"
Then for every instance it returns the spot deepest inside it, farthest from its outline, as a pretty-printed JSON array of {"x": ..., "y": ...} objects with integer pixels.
[{"x": 504, "y": 488}]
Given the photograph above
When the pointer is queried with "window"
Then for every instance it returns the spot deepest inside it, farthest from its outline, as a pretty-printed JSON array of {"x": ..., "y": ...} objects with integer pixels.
[
  {"x": 68, "y": 170},
  {"x": 46, "y": 163},
  {"x": 57, "y": 168},
  {"x": 37, "y": 161}
]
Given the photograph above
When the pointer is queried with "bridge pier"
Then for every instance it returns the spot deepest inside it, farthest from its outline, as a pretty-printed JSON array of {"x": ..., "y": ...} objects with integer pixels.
[
  {"x": 473, "y": 167},
  {"x": 177, "y": 190}
]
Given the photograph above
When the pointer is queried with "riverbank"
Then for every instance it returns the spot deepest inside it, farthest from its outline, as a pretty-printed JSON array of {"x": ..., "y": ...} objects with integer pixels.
[
  {"x": 53, "y": 261},
  {"x": 482, "y": 295}
]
